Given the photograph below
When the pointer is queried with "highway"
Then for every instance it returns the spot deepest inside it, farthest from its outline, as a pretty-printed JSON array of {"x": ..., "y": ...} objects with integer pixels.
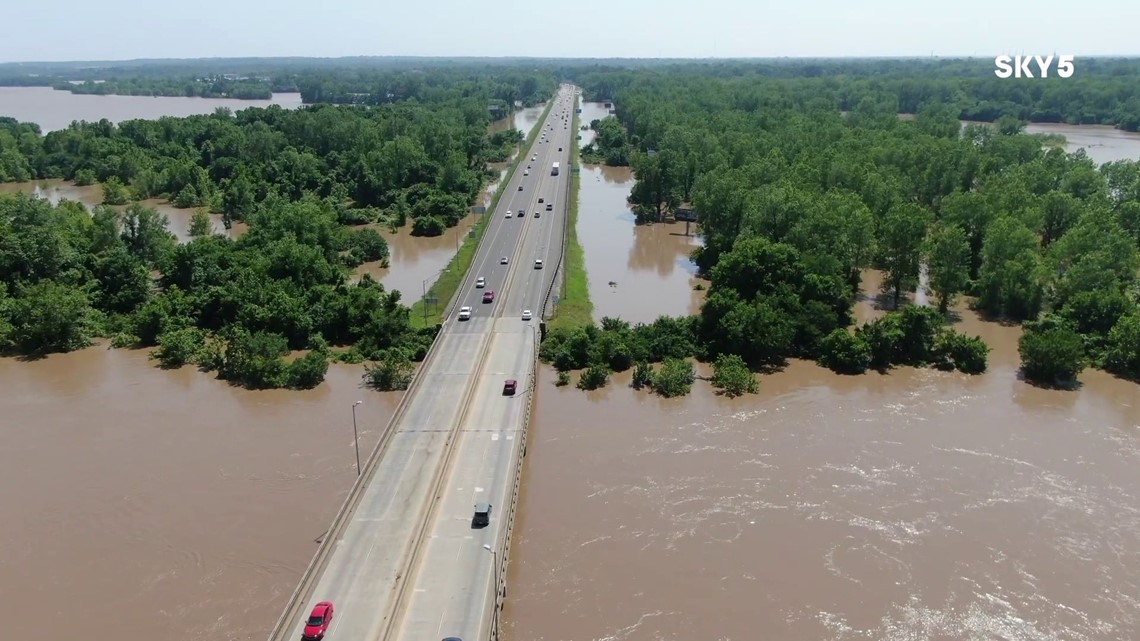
[{"x": 402, "y": 560}]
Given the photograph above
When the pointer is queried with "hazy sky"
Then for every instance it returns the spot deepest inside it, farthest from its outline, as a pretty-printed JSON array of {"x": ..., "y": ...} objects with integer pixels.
[{"x": 124, "y": 29}]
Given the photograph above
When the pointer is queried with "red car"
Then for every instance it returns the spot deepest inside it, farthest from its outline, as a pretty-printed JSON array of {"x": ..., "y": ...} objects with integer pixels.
[
  {"x": 488, "y": 297},
  {"x": 318, "y": 622}
]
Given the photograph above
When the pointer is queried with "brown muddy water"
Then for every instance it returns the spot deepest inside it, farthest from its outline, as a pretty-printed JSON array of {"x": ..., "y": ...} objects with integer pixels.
[
  {"x": 91, "y": 195},
  {"x": 1102, "y": 143},
  {"x": 53, "y": 110},
  {"x": 151, "y": 504},
  {"x": 648, "y": 265},
  {"x": 914, "y": 505}
]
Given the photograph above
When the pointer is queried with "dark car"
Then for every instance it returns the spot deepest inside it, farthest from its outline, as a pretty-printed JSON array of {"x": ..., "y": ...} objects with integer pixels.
[
  {"x": 560, "y": 149},
  {"x": 453, "y": 639},
  {"x": 488, "y": 297},
  {"x": 522, "y": 212},
  {"x": 509, "y": 387},
  {"x": 536, "y": 214},
  {"x": 540, "y": 199},
  {"x": 318, "y": 622},
  {"x": 482, "y": 516},
  {"x": 520, "y": 187}
]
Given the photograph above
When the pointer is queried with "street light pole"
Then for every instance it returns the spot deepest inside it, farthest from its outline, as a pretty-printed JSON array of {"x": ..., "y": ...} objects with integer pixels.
[
  {"x": 355, "y": 437},
  {"x": 495, "y": 580},
  {"x": 425, "y": 299}
]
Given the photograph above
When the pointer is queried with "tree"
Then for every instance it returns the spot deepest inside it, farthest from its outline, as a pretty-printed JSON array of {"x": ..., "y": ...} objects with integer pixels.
[
  {"x": 390, "y": 373},
  {"x": 1051, "y": 352},
  {"x": 145, "y": 233},
  {"x": 49, "y": 317},
  {"x": 200, "y": 224},
  {"x": 845, "y": 353},
  {"x": 115, "y": 192},
  {"x": 947, "y": 254},
  {"x": 901, "y": 235}
]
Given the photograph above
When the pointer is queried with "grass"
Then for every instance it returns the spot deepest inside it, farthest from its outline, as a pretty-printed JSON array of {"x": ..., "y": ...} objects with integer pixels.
[
  {"x": 574, "y": 308},
  {"x": 453, "y": 275}
]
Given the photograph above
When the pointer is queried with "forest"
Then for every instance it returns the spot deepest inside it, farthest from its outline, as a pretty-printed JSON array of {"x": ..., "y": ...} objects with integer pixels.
[
  {"x": 274, "y": 307},
  {"x": 795, "y": 198},
  {"x": 1102, "y": 91}
]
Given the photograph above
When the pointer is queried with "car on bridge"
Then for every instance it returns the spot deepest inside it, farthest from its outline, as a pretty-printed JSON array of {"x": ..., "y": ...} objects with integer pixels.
[
  {"x": 318, "y": 622},
  {"x": 509, "y": 387},
  {"x": 522, "y": 212},
  {"x": 488, "y": 297},
  {"x": 482, "y": 516},
  {"x": 465, "y": 313},
  {"x": 538, "y": 263},
  {"x": 527, "y": 315},
  {"x": 480, "y": 282},
  {"x": 520, "y": 187},
  {"x": 503, "y": 260}
]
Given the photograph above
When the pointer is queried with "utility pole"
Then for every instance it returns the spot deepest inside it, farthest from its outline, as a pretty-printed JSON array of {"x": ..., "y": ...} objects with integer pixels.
[{"x": 355, "y": 437}]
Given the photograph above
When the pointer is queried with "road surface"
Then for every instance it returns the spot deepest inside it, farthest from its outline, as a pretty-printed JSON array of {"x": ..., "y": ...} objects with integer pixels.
[{"x": 402, "y": 565}]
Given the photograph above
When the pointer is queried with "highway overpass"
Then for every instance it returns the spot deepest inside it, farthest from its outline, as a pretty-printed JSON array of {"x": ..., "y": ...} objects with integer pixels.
[{"x": 401, "y": 560}]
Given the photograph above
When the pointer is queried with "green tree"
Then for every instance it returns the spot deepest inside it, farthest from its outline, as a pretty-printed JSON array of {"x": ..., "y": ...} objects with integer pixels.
[
  {"x": 845, "y": 353},
  {"x": 1051, "y": 352},
  {"x": 675, "y": 378},
  {"x": 947, "y": 253},
  {"x": 115, "y": 192},
  {"x": 901, "y": 236},
  {"x": 200, "y": 224},
  {"x": 50, "y": 317}
]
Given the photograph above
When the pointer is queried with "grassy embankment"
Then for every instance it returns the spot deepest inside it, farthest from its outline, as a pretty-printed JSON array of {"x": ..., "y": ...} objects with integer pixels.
[
  {"x": 574, "y": 308},
  {"x": 452, "y": 276}
]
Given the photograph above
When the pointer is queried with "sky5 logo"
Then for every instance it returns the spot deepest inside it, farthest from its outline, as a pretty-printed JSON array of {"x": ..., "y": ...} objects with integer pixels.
[{"x": 1020, "y": 66}]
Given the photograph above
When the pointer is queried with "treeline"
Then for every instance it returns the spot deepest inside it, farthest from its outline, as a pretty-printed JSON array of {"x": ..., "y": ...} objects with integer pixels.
[
  {"x": 424, "y": 162},
  {"x": 1037, "y": 236},
  {"x": 239, "y": 308},
  {"x": 1102, "y": 91},
  {"x": 495, "y": 85},
  {"x": 212, "y": 87}
]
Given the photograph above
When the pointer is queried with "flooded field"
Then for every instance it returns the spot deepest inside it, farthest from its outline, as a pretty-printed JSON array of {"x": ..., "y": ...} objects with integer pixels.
[
  {"x": 648, "y": 265},
  {"x": 53, "y": 110},
  {"x": 914, "y": 505},
  {"x": 165, "y": 505}
]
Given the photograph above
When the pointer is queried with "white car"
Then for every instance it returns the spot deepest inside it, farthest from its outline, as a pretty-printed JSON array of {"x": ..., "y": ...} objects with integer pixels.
[
  {"x": 538, "y": 263},
  {"x": 526, "y": 315},
  {"x": 534, "y": 158},
  {"x": 526, "y": 172},
  {"x": 508, "y": 214},
  {"x": 503, "y": 260},
  {"x": 465, "y": 313},
  {"x": 480, "y": 282}
]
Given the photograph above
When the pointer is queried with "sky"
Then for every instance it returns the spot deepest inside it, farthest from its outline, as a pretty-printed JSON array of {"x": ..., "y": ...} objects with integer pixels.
[{"x": 126, "y": 29}]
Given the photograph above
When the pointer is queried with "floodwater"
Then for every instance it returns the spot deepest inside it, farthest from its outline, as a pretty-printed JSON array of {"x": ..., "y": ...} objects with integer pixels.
[
  {"x": 91, "y": 195},
  {"x": 416, "y": 261},
  {"x": 1101, "y": 142},
  {"x": 150, "y": 504},
  {"x": 913, "y": 505},
  {"x": 53, "y": 110},
  {"x": 637, "y": 272}
]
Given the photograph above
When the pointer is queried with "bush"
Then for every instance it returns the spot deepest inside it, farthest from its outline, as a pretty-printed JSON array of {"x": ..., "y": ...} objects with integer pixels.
[
  {"x": 845, "y": 353},
  {"x": 594, "y": 377},
  {"x": 392, "y": 372},
  {"x": 179, "y": 347},
  {"x": 563, "y": 379},
  {"x": 308, "y": 371},
  {"x": 84, "y": 177},
  {"x": 733, "y": 376},
  {"x": 642, "y": 376},
  {"x": 953, "y": 350},
  {"x": 428, "y": 226},
  {"x": 675, "y": 378},
  {"x": 115, "y": 192},
  {"x": 1051, "y": 354}
]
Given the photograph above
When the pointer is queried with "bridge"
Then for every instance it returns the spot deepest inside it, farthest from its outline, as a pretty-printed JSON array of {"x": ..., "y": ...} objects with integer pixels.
[{"x": 401, "y": 560}]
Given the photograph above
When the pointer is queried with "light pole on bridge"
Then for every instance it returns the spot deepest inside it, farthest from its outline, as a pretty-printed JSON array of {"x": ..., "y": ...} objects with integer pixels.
[{"x": 356, "y": 437}]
